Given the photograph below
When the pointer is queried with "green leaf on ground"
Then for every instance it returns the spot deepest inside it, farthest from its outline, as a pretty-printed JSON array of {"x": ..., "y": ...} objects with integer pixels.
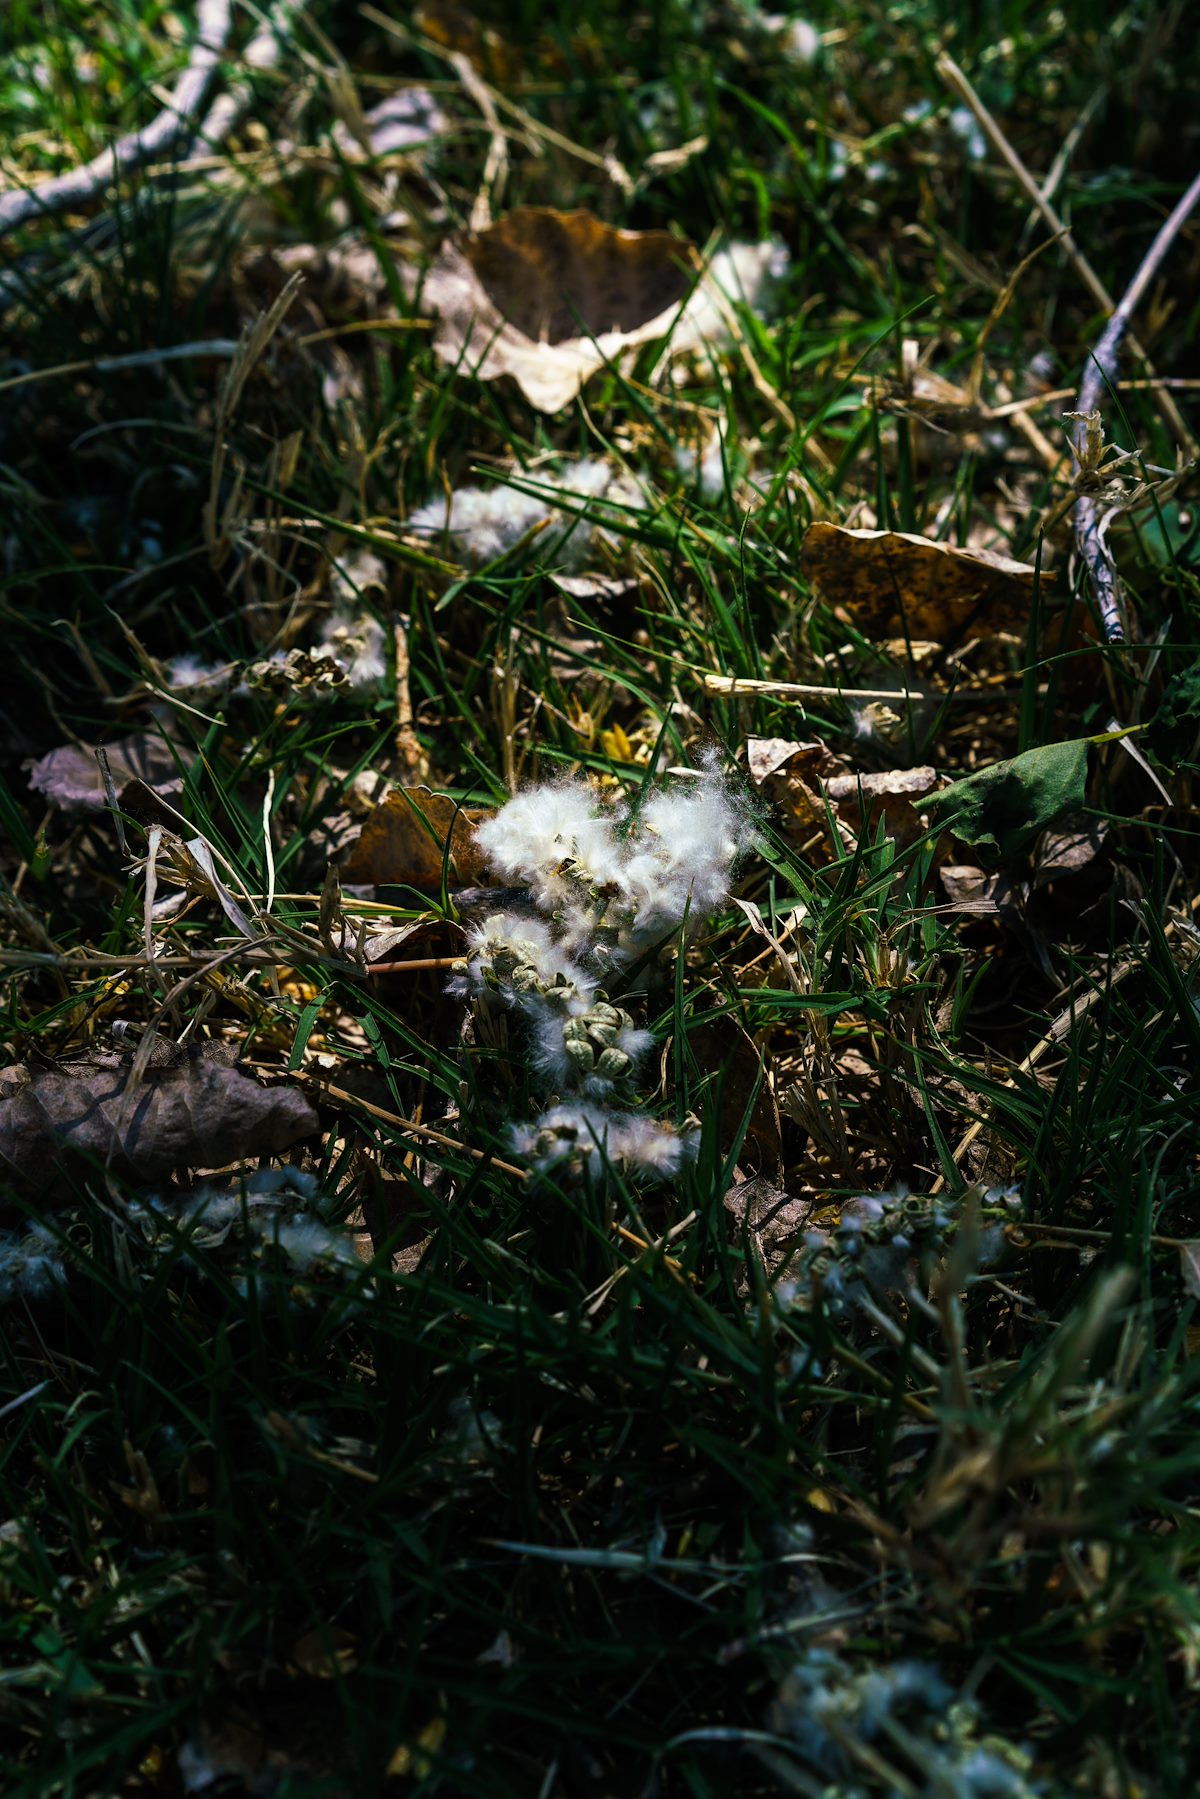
[{"x": 1002, "y": 808}]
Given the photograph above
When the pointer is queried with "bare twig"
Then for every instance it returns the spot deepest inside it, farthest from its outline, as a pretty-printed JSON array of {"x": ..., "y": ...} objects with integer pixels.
[
  {"x": 223, "y": 348},
  {"x": 495, "y": 169},
  {"x": 261, "y": 52},
  {"x": 954, "y": 78},
  {"x": 733, "y": 684},
  {"x": 93, "y": 962},
  {"x": 174, "y": 123},
  {"x": 1059, "y": 166},
  {"x": 414, "y": 966},
  {"x": 1101, "y": 372},
  {"x": 408, "y": 1125}
]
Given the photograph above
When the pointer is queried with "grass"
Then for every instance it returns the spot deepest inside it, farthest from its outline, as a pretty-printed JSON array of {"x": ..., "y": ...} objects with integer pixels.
[{"x": 526, "y": 1503}]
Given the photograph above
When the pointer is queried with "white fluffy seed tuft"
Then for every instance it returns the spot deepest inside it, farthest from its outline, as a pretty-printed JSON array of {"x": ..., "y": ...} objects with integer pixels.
[
  {"x": 482, "y": 523},
  {"x": 610, "y": 885},
  {"x": 587, "y": 1138}
]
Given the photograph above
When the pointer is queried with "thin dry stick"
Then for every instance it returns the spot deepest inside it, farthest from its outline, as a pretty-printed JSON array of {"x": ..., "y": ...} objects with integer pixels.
[
  {"x": 1059, "y": 166},
  {"x": 223, "y": 347},
  {"x": 715, "y": 683},
  {"x": 1101, "y": 372},
  {"x": 261, "y": 52},
  {"x": 176, "y": 121},
  {"x": 495, "y": 169},
  {"x": 954, "y": 78},
  {"x": 97, "y": 962},
  {"x": 1033, "y": 402},
  {"x": 410, "y": 1125},
  {"x": 413, "y": 967}
]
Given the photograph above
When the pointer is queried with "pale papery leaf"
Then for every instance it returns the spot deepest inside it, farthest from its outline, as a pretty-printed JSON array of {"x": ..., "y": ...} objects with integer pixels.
[
  {"x": 70, "y": 778},
  {"x": 548, "y": 297}
]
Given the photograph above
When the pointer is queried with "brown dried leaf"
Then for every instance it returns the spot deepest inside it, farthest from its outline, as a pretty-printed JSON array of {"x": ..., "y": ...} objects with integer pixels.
[
  {"x": 790, "y": 775},
  {"x": 890, "y": 582},
  {"x": 548, "y": 297},
  {"x": 197, "y": 1114},
  {"x": 994, "y": 893},
  {"x": 800, "y": 777},
  {"x": 404, "y": 840},
  {"x": 892, "y": 795},
  {"x": 1067, "y": 849},
  {"x": 70, "y": 777},
  {"x": 774, "y": 1220},
  {"x": 325, "y": 1654},
  {"x": 767, "y": 756}
]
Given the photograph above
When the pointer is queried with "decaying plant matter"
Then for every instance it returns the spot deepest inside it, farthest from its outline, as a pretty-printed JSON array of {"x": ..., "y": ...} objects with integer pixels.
[{"x": 600, "y": 961}]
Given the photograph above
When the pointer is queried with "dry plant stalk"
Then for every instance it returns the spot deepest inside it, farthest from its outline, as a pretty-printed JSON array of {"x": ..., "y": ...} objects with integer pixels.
[{"x": 254, "y": 341}]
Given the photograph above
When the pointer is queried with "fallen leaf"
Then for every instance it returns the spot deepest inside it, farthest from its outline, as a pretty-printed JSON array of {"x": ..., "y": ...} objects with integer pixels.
[
  {"x": 1002, "y": 808},
  {"x": 1067, "y": 850},
  {"x": 766, "y": 756},
  {"x": 891, "y": 795},
  {"x": 70, "y": 777},
  {"x": 790, "y": 775},
  {"x": 775, "y": 1217},
  {"x": 324, "y": 1654},
  {"x": 403, "y": 843},
  {"x": 890, "y": 582},
  {"x": 971, "y": 890},
  {"x": 770, "y": 1222},
  {"x": 197, "y": 1113},
  {"x": 807, "y": 782},
  {"x": 549, "y": 297}
]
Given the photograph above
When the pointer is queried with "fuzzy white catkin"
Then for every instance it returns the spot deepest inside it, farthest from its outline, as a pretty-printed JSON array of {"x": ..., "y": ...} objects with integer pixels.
[
  {"x": 610, "y": 884},
  {"x": 691, "y": 841},
  {"x": 482, "y": 523},
  {"x": 592, "y": 1136},
  {"x": 745, "y": 275},
  {"x": 673, "y": 861},
  {"x": 309, "y": 1243},
  {"x": 530, "y": 839},
  {"x": 188, "y": 674},
  {"x": 31, "y": 1264},
  {"x": 505, "y": 939}
]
